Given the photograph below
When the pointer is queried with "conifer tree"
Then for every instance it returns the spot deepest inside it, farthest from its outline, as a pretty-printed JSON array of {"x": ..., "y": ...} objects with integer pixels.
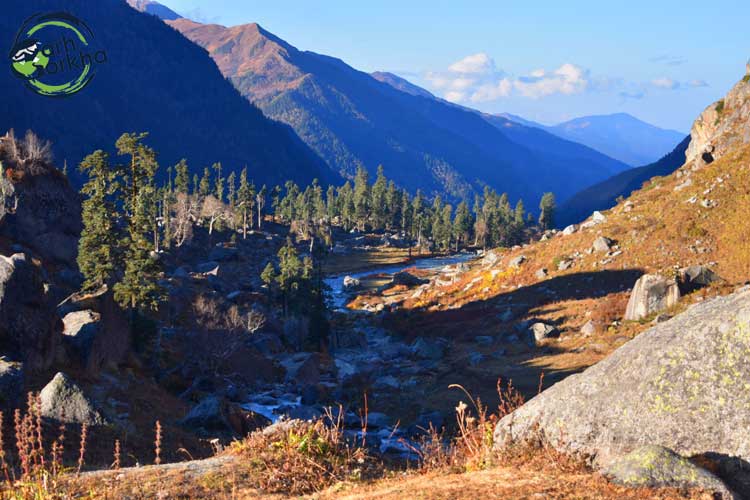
[
  {"x": 361, "y": 198},
  {"x": 547, "y": 211},
  {"x": 182, "y": 177},
  {"x": 378, "y": 201},
  {"x": 219, "y": 182},
  {"x": 204, "y": 189},
  {"x": 99, "y": 248}
]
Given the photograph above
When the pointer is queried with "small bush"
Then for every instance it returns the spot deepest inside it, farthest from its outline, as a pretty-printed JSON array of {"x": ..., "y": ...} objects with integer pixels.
[
  {"x": 303, "y": 457},
  {"x": 746, "y": 78},
  {"x": 720, "y": 106}
]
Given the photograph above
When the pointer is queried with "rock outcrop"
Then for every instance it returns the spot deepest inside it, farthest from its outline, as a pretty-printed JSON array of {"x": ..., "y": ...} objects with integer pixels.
[
  {"x": 651, "y": 294},
  {"x": 64, "y": 401},
  {"x": 681, "y": 384},
  {"x": 722, "y": 127},
  {"x": 28, "y": 322}
]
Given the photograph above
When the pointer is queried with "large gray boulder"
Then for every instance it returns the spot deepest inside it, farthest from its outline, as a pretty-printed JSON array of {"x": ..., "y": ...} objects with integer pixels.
[
  {"x": 28, "y": 321},
  {"x": 658, "y": 467},
  {"x": 63, "y": 400},
  {"x": 683, "y": 385},
  {"x": 11, "y": 384},
  {"x": 695, "y": 277},
  {"x": 651, "y": 294},
  {"x": 45, "y": 215}
]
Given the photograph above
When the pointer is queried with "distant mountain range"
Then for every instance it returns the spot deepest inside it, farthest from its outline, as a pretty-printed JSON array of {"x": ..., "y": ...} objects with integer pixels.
[
  {"x": 353, "y": 119},
  {"x": 156, "y": 81},
  {"x": 604, "y": 195},
  {"x": 155, "y": 9},
  {"x": 620, "y": 136}
]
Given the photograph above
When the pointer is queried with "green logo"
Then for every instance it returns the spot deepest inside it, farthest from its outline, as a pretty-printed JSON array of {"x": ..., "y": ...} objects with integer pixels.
[{"x": 55, "y": 54}]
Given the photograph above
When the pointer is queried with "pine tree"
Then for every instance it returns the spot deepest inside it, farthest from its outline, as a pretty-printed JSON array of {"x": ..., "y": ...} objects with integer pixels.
[
  {"x": 268, "y": 276},
  {"x": 196, "y": 184},
  {"x": 378, "y": 200},
  {"x": 204, "y": 189},
  {"x": 138, "y": 288},
  {"x": 361, "y": 198},
  {"x": 219, "y": 182},
  {"x": 182, "y": 177},
  {"x": 462, "y": 224},
  {"x": 99, "y": 250},
  {"x": 547, "y": 211}
]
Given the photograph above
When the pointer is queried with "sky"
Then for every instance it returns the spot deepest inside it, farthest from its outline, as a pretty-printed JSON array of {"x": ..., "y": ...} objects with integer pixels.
[{"x": 662, "y": 61}]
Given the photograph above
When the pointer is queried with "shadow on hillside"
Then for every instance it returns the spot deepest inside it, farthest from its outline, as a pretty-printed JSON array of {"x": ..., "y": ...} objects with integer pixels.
[{"x": 488, "y": 314}]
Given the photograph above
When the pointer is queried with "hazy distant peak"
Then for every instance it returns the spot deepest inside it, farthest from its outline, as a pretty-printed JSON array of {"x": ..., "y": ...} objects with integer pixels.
[
  {"x": 155, "y": 9},
  {"x": 401, "y": 84}
]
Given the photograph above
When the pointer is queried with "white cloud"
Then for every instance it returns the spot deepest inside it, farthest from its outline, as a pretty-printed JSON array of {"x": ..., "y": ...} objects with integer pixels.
[
  {"x": 480, "y": 64},
  {"x": 665, "y": 83},
  {"x": 492, "y": 92},
  {"x": 568, "y": 79},
  {"x": 697, "y": 83}
]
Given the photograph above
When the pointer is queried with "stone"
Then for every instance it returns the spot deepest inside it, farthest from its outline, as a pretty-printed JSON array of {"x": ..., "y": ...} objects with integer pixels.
[
  {"x": 564, "y": 265},
  {"x": 680, "y": 384},
  {"x": 597, "y": 216},
  {"x": 351, "y": 283},
  {"x": 570, "y": 230},
  {"x": 207, "y": 416},
  {"x": 407, "y": 279},
  {"x": 651, "y": 294},
  {"x": 64, "y": 401},
  {"x": 28, "y": 321},
  {"x": 302, "y": 368},
  {"x": 490, "y": 258},
  {"x": 11, "y": 384},
  {"x": 208, "y": 268},
  {"x": 654, "y": 466},
  {"x": 80, "y": 332},
  {"x": 220, "y": 253},
  {"x": 588, "y": 329},
  {"x": 695, "y": 277},
  {"x": 602, "y": 244},
  {"x": 428, "y": 349},
  {"x": 540, "y": 331},
  {"x": 517, "y": 261},
  {"x": 541, "y": 274}
]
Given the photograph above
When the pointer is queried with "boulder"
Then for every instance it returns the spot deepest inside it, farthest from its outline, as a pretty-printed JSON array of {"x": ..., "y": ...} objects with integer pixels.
[
  {"x": 28, "y": 322},
  {"x": 207, "y": 416},
  {"x": 564, "y": 265},
  {"x": 46, "y": 215},
  {"x": 220, "y": 253},
  {"x": 651, "y": 294},
  {"x": 351, "y": 283},
  {"x": 681, "y": 384},
  {"x": 80, "y": 332},
  {"x": 695, "y": 277},
  {"x": 597, "y": 216},
  {"x": 570, "y": 230},
  {"x": 208, "y": 268},
  {"x": 541, "y": 274},
  {"x": 517, "y": 261},
  {"x": 64, "y": 401},
  {"x": 602, "y": 244},
  {"x": 302, "y": 368},
  {"x": 11, "y": 384},
  {"x": 540, "y": 331},
  {"x": 588, "y": 329},
  {"x": 428, "y": 349},
  {"x": 654, "y": 466},
  {"x": 490, "y": 258},
  {"x": 407, "y": 279}
]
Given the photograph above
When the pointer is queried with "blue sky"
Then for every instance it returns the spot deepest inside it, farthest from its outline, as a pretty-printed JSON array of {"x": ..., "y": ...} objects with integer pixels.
[{"x": 660, "y": 60}]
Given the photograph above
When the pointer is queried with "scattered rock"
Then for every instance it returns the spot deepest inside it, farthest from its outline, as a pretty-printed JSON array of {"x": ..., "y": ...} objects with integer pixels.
[
  {"x": 695, "y": 277},
  {"x": 11, "y": 384},
  {"x": 654, "y": 466},
  {"x": 602, "y": 244},
  {"x": 570, "y": 230},
  {"x": 63, "y": 400},
  {"x": 80, "y": 332},
  {"x": 208, "y": 268},
  {"x": 685, "y": 184},
  {"x": 588, "y": 329},
  {"x": 651, "y": 294},
  {"x": 220, "y": 253},
  {"x": 541, "y": 331},
  {"x": 490, "y": 258},
  {"x": 28, "y": 322},
  {"x": 517, "y": 261},
  {"x": 597, "y": 217},
  {"x": 428, "y": 349},
  {"x": 564, "y": 265},
  {"x": 351, "y": 283},
  {"x": 407, "y": 279},
  {"x": 541, "y": 274},
  {"x": 302, "y": 368}
]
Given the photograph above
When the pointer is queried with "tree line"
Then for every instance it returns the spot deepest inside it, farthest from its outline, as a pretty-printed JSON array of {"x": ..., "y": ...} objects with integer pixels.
[{"x": 129, "y": 219}]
